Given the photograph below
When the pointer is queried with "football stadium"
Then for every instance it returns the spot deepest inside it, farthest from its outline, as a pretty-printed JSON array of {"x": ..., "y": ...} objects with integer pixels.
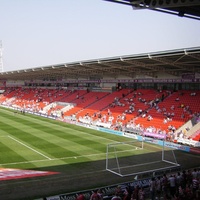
[
  {"x": 61, "y": 135},
  {"x": 117, "y": 125}
]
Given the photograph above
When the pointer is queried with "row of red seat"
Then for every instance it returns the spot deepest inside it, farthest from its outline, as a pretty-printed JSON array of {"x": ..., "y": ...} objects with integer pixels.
[{"x": 92, "y": 102}]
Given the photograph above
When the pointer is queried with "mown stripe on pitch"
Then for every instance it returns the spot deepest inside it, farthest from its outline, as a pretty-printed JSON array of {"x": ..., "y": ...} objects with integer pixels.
[
  {"x": 37, "y": 142},
  {"x": 70, "y": 149},
  {"x": 58, "y": 124},
  {"x": 9, "y": 155},
  {"x": 13, "y": 152},
  {"x": 71, "y": 135},
  {"x": 106, "y": 138},
  {"x": 69, "y": 144},
  {"x": 90, "y": 142}
]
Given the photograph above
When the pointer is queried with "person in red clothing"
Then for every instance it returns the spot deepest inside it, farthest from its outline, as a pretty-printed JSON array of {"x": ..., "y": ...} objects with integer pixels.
[
  {"x": 99, "y": 192},
  {"x": 135, "y": 192},
  {"x": 80, "y": 197},
  {"x": 119, "y": 191},
  {"x": 127, "y": 194},
  {"x": 95, "y": 195}
]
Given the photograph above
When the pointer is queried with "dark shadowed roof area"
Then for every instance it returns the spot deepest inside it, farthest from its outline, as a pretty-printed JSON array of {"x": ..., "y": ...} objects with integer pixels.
[{"x": 182, "y": 8}]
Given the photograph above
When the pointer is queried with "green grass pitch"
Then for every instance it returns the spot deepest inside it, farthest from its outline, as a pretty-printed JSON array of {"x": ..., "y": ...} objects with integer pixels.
[
  {"x": 77, "y": 153},
  {"x": 32, "y": 142}
]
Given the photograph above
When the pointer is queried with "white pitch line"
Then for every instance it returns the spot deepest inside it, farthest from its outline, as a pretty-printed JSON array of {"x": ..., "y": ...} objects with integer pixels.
[{"x": 29, "y": 147}]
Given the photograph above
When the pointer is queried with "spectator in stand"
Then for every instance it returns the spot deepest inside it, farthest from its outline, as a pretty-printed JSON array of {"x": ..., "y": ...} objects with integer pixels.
[
  {"x": 194, "y": 173},
  {"x": 144, "y": 115},
  {"x": 103, "y": 118},
  {"x": 188, "y": 192},
  {"x": 165, "y": 121},
  {"x": 80, "y": 197},
  {"x": 127, "y": 194},
  {"x": 116, "y": 197},
  {"x": 149, "y": 118},
  {"x": 184, "y": 179},
  {"x": 119, "y": 191},
  {"x": 164, "y": 183},
  {"x": 180, "y": 194},
  {"x": 189, "y": 177},
  {"x": 177, "y": 99},
  {"x": 110, "y": 119},
  {"x": 95, "y": 195},
  {"x": 123, "y": 117},
  {"x": 193, "y": 94},
  {"x": 178, "y": 180},
  {"x": 158, "y": 188},
  {"x": 99, "y": 192},
  {"x": 172, "y": 185},
  {"x": 197, "y": 194},
  {"x": 141, "y": 194},
  {"x": 135, "y": 193},
  {"x": 195, "y": 185},
  {"x": 139, "y": 111},
  {"x": 152, "y": 186}
]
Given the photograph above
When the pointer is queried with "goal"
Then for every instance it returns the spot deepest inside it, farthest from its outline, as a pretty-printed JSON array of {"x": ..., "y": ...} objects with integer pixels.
[{"x": 138, "y": 157}]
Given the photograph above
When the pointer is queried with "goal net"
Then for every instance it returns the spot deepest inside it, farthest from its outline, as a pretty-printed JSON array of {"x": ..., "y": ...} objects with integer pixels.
[{"x": 138, "y": 157}]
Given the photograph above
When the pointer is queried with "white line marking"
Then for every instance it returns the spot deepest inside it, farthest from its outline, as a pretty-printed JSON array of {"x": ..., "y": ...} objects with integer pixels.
[{"x": 29, "y": 147}]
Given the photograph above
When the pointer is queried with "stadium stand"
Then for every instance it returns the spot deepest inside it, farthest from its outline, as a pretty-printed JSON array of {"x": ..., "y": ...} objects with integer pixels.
[{"x": 150, "y": 110}]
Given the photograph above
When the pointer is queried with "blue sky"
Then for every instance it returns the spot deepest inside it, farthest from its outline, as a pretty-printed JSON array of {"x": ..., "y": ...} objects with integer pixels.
[{"x": 38, "y": 33}]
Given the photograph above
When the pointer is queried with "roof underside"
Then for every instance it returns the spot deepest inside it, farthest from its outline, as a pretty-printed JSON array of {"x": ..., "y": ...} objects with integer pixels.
[
  {"x": 176, "y": 63},
  {"x": 182, "y": 8}
]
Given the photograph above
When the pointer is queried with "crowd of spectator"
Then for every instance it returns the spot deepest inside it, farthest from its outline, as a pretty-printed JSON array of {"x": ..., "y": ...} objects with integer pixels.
[
  {"x": 122, "y": 124},
  {"x": 134, "y": 102},
  {"x": 182, "y": 185}
]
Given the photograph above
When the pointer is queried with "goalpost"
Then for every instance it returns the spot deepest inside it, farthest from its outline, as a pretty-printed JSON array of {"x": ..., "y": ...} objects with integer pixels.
[{"x": 138, "y": 157}]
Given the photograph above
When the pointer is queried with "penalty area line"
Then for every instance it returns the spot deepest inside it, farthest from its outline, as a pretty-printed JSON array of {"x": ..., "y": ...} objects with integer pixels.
[{"x": 30, "y": 148}]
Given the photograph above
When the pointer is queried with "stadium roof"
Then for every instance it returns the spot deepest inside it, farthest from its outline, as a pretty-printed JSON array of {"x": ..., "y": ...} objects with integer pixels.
[
  {"x": 174, "y": 62},
  {"x": 182, "y": 8}
]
